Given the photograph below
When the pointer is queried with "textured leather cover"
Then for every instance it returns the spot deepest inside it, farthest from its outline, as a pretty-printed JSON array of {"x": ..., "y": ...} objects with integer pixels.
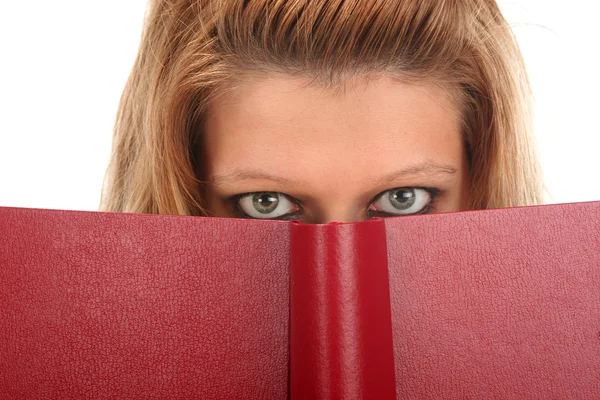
[
  {"x": 497, "y": 304},
  {"x": 123, "y": 306},
  {"x": 486, "y": 304},
  {"x": 341, "y": 325}
]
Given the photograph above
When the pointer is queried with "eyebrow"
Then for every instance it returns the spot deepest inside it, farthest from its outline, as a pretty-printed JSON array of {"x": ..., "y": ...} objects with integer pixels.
[
  {"x": 426, "y": 168},
  {"x": 238, "y": 175}
]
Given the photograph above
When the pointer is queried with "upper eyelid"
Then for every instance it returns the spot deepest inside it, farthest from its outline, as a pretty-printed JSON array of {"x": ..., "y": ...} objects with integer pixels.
[
  {"x": 236, "y": 197},
  {"x": 234, "y": 201},
  {"x": 434, "y": 192}
]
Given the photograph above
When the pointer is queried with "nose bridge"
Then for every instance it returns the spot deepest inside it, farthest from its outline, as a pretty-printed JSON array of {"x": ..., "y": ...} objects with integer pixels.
[
  {"x": 337, "y": 218},
  {"x": 336, "y": 212},
  {"x": 337, "y": 199}
]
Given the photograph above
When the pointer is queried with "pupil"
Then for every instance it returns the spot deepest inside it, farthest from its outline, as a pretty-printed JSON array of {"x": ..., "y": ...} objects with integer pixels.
[
  {"x": 265, "y": 203},
  {"x": 402, "y": 199}
]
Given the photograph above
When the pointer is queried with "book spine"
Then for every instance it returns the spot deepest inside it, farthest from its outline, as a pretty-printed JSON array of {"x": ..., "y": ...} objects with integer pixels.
[{"x": 340, "y": 319}]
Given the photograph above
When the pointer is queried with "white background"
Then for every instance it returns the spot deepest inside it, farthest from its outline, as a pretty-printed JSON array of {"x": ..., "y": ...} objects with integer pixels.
[{"x": 63, "y": 65}]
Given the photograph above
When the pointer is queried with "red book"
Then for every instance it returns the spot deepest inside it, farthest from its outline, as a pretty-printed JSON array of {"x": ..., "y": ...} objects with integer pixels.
[{"x": 483, "y": 304}]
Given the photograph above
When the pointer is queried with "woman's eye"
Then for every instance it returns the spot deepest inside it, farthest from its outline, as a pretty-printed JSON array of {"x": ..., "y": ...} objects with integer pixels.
[
  {"x": 403, "y": 201},
  {"x": 266, "y": 205}
]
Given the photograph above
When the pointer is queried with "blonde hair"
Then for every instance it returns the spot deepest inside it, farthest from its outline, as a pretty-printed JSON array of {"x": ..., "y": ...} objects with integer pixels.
[{"x": 191, "y": 48}]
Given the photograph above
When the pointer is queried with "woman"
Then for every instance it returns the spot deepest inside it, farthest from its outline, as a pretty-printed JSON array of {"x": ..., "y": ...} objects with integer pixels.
[{"x": 323, "y": 110}]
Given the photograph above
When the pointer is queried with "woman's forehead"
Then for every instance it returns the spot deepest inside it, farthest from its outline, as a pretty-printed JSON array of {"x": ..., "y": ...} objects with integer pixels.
[{"x": 373, "y": 127}]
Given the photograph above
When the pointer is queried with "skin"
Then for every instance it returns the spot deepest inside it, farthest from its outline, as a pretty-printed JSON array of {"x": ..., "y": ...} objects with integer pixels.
[{"x": 333, "y": 154}]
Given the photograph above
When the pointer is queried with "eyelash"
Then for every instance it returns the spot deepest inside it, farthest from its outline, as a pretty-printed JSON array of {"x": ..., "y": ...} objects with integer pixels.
[
  {"x": 234, "y": 202},
  {"x": 434, "y": 193}
]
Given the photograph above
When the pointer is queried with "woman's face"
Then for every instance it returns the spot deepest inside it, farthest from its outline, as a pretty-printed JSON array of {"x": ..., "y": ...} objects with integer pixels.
[{"x": 283, "y": 148}]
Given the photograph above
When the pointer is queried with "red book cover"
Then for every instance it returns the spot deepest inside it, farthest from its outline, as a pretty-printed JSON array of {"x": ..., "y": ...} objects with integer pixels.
[
  {"x": 498, "y": 303},
  {"x": 484, "y": 304},
  {"x": 126, "y": 306}
]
